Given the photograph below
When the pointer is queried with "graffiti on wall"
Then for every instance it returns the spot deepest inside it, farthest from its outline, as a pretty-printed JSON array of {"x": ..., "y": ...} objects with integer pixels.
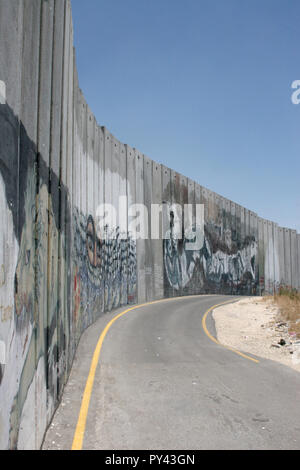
[
  {"x": 105, "y": 269},
  {"x": 56, "y": 277},
  {"x": 218, "y": 266},
  {"x": 33, "y": 331}
]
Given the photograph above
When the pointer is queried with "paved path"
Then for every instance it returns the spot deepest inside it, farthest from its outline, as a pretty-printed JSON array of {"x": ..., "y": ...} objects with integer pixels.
[{"x": 162, "y": 383}]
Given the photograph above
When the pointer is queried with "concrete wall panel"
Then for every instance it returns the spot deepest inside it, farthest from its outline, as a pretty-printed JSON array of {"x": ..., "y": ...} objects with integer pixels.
[
  {"x": 123, "y": 226},
  {"x": 233, "y": 224},
  {"x": 243, "y": 226},
  {"x": 167, "y": 247},
  {"x": 261, "y": 256},
  {"x": 266, "y": 256},
  {"x": 157, "y": 244},
  {"x": 276, "y": 257},
  {"x": 287, "y": 257},
  {"x": 148, "y": 198},
  {"x": 238, "y": 226},
  {"x": 131, "y": 197},
  {"x": 42, "y": 202},
  {"x": 294, "y": 259},
  {"x": 281, "y": 256},
  {"x": 271, "y": 257},
  {"x": 140, "y": 244}
]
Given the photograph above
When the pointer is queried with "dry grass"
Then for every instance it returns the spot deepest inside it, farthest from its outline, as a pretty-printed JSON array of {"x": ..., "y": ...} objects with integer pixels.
[{"x": 288, "y": 301}]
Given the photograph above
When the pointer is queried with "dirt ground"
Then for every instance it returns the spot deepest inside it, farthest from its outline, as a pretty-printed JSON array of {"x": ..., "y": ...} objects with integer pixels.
[{"x": 253, "y": 325}]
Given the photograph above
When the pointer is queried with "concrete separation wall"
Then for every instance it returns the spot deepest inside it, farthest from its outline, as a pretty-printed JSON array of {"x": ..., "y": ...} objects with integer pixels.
[{"x": 58, "y": 273}]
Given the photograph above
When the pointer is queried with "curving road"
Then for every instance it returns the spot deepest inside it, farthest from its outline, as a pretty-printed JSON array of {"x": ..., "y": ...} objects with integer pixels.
[{"x": 162, "y": 383}]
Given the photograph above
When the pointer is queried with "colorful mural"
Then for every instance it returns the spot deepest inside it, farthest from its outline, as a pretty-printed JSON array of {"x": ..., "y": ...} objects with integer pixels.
[
  {"x": 220, "y": 265},
  {"x": 43, "y": 310},
  {"x": 105, "y": 269}
]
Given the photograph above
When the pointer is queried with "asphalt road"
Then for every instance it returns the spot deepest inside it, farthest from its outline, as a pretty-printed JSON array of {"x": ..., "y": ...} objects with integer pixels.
[{"x": 162, "y": 383}]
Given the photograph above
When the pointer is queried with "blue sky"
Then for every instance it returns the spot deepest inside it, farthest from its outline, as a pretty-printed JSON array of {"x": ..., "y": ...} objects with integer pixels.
[{"x": 202, "y": 86}]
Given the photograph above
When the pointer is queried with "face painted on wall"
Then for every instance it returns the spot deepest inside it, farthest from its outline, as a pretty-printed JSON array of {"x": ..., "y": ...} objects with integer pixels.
[
  {"x": 105, "y": 268},
  {"x": 93, "y": 244}
]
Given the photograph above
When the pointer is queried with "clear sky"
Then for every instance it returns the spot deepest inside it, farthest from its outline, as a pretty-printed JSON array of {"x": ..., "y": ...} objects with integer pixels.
[{"x": 202, "y": 86}]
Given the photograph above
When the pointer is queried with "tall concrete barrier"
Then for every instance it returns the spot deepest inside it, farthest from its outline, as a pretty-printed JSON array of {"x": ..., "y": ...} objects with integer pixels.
[{"x": 60, "y": 267}]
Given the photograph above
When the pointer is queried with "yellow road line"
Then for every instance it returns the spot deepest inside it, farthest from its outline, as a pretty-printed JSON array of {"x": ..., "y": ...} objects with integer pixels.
[
  {"x": 216, "y": 341},
  {"x": 81, "y": 423}
]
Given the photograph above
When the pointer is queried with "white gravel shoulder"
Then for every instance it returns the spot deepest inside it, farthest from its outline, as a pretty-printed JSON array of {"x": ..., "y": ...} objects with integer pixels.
[{"x": 251, "y": 325}]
